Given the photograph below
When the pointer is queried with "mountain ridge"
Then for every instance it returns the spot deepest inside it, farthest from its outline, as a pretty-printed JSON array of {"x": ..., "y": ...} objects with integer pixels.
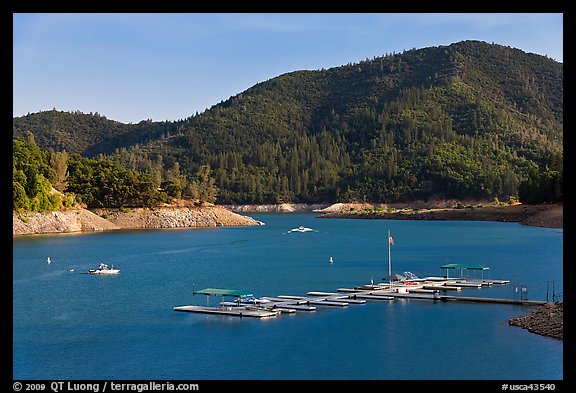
[{"x": 467, "y": 119}]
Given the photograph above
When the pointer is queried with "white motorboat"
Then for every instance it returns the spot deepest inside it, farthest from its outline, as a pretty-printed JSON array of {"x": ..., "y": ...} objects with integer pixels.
[
  {"x": 253, "y": 300},
  {"x": 244, "y": 301},
  {"x": 104, "y": 269},
  {"x": 301, "y": 229}
]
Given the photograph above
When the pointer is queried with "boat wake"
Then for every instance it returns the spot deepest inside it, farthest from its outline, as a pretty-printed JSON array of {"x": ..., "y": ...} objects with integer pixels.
[{"x": 301, "y": 229}]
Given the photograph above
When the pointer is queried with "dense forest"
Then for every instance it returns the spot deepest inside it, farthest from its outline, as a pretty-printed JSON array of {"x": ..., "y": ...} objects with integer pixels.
[
  {"x": 468, "y": 120},
  {"x": 45, "y": 180},
  {"x": 34, "y": 173}
]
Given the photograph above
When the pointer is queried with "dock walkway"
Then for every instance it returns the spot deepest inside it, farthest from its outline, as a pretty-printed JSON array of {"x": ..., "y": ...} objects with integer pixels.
[
  {"x": 232, "y": 311},
  {"x": 430, "y": 288},
  {"x": 491, "y": 300}
]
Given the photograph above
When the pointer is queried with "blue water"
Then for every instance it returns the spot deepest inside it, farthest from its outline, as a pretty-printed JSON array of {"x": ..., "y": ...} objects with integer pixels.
[{"x": 69, "y": 325}]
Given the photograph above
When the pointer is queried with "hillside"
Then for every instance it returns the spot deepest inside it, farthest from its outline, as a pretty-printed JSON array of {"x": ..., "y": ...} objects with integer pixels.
[
  {"x": 86, "y": 134},
  {"x": 468, "y": 120}
]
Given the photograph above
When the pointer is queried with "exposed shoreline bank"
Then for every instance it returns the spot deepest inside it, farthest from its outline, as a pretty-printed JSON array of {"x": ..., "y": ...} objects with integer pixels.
[
  {"x": 275, "y": 208},
  {"x": 184, "y": 214},
  {"x": 548, "y": 216},
  {"x": 546, "y": 320},
  {"x": 178, "y": 215}
]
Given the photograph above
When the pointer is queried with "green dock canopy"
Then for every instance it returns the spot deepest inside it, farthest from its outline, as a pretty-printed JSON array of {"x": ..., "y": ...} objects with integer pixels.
[
  {"x": 223, "y": 292},
  {"x": 465, "y": 266}
]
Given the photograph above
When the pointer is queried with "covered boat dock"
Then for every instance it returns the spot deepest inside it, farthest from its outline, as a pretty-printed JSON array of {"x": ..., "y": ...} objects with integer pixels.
[
  {"x": 465, "y": 267},
  {"x": 221, "y": 292},
  {"x": 238, "y": 310}
]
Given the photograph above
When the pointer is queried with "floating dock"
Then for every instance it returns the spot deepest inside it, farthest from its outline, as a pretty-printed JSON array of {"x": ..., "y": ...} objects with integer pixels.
[
  {"x": 429, "y": 288},
  {"x": 230, "y": 311},
  {"x": 490, "y": 300}
]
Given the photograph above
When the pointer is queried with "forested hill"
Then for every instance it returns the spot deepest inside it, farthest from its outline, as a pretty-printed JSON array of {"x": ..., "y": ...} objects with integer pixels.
[
  {"x": 86, "y": 134},
  {"x": 467, "y": 120}
]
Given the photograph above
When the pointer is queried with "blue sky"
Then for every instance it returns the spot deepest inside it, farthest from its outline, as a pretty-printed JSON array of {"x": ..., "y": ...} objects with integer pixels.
[{"x": 132, "y": 67}]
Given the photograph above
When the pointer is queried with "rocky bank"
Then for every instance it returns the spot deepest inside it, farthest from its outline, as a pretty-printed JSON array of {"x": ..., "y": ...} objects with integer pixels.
[
  {"x": 546, "y": 320},
  {"x": 275, "y": 208},
  {"x": 74, "y": 220},
  {"x": 175, "y": 217},
  {"x": 549, "y": 216},
  {"x": 178, "y": 215}
]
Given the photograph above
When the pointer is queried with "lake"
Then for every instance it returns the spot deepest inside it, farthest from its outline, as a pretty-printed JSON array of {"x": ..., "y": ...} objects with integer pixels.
[{"x": 70, "y": 325}]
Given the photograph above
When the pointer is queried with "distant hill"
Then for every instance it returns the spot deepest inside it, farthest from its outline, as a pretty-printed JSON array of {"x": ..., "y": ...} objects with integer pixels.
[
  {"x": 468, "y": 120},
  {"x": 86, "y": 134}
]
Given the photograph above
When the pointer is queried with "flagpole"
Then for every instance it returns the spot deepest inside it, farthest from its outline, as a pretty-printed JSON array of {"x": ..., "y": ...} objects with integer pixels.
[{"x": 389, "y": 265}]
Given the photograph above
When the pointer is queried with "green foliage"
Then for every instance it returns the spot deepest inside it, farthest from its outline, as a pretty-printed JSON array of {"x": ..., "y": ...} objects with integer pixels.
[
  {"x": 69, "y": 200},
  {"x": 31, "y": 187},
  {"x": 58, "y": 161},
  {"x": 106, "y": 183},
  {"x": 171, "y": 189},
  {"x": 469, "y": 120},
  {"x": 545, "y": 184},
  {"x": 96, "y": 183},
  {"x": 87, "y": 134},
  {"x": 20, "y": 199},
  {"x": 207, "y": 189}
]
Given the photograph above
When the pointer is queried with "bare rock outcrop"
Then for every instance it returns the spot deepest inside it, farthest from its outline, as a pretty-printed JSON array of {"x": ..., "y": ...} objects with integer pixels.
[
  {"x": 175, "y": 217},
  {"x": 168, "y": 216},
  {"x": 274, "y": 208},
  {"x": 75, "y": 220},
  {"x": 345, "y": 207}
]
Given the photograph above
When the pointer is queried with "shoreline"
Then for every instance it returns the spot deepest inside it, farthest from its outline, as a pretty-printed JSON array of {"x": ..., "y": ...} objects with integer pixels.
[
  {"x": 178, "y": 215},
  {"x": 544, "y": 215},
  {"x": 546, "y": 320},
  {"x": 183, "y": 214}
]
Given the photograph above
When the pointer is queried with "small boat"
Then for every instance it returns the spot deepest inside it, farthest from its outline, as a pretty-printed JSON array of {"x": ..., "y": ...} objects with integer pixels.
[
  {"x": 104, "y": 269},
  {"x": 48, "y": 261},
  {"x": 70, "y": 269},
  {"x": 252, "y": 300},
  {"x": 301, "y": 229},
  {"x": 246, "y": 301}
]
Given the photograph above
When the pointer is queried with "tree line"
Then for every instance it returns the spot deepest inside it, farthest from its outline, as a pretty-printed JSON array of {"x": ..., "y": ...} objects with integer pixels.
[{"x": 45, "y": 180}]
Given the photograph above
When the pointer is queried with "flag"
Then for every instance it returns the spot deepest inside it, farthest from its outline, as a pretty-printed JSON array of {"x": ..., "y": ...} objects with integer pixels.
[{"x": 390, "y": 240}]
